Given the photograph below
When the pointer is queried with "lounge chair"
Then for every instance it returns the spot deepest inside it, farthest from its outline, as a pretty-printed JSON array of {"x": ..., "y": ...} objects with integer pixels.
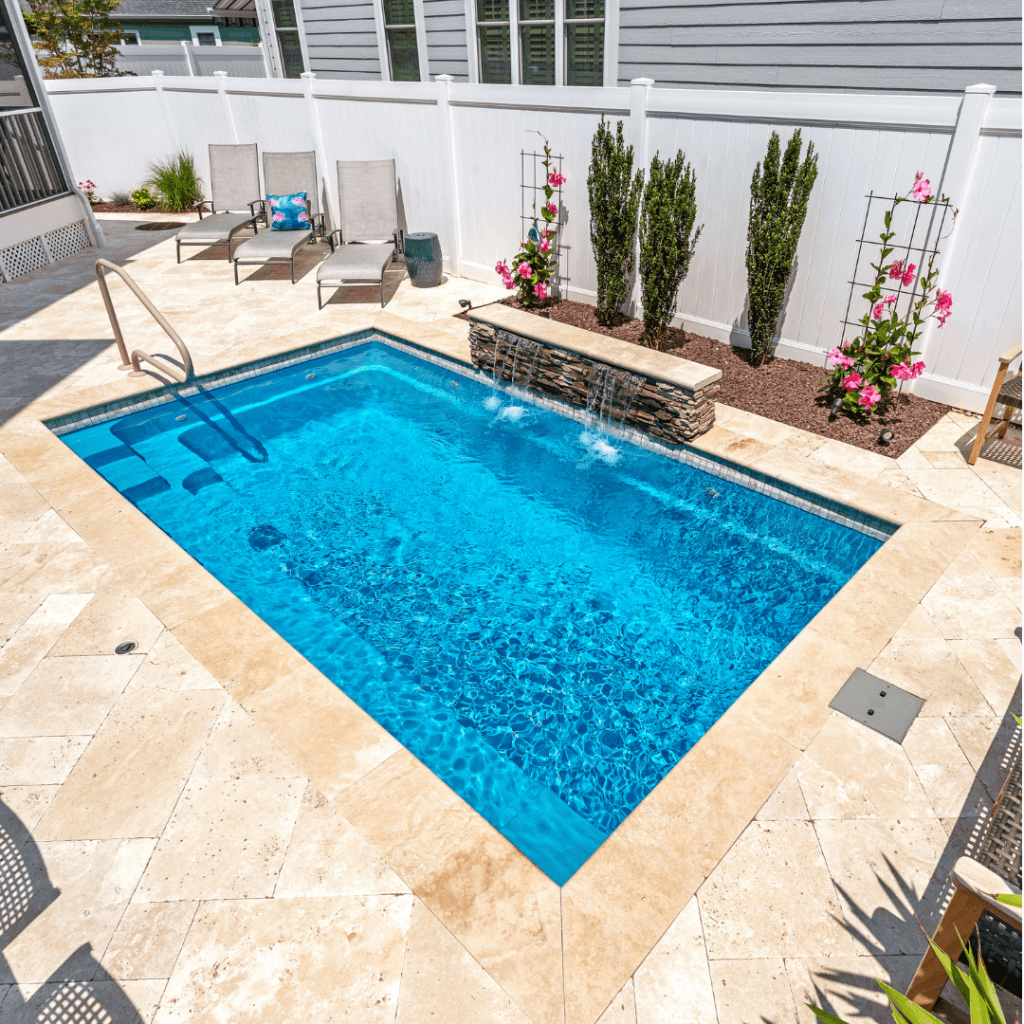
[
  {"x": 368, "y": 202},
  {"x": 284, "y": 174},
  {"x": 1006, "y": 393},
  {"x": 234, "y": 184}
]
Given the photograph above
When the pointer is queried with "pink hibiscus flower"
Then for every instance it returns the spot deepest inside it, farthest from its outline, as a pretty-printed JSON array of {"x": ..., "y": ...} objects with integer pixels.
[
  {"x": 922, "y": 187},
  {"x": 870, "y": 396},
  {"x": 540, "y": 289},
  {"x": 545, "y": 246},
  {"x": 839, "y": 358},
  {"x": 524, "y": 270},
  {"x": 897, "y": 272},
  {"x": 943, "y": 307},
  {"x": 880, "y": 307},
  {"x": 551, "y": 208},
  {"x": 556, "y": 179},
  {"x": 901, "y": 371},
  {"x": 853, "y": 382}
]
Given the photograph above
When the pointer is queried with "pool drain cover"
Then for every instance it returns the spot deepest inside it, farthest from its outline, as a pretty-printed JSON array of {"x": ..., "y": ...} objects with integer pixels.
[
  {"x": 877, "y": 704},
  {"x": 126, "y": 648}
]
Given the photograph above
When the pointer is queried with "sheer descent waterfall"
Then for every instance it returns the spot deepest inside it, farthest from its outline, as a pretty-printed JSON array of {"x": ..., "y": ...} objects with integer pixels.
[{"x": 611, "y": 391}]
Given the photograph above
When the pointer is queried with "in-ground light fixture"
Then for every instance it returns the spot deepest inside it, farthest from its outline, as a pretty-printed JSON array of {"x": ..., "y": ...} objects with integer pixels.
[
  {"x": 466, "y": 304},
  {"x": 837, "y": 404},
  {"x": 886, "y": 436}
]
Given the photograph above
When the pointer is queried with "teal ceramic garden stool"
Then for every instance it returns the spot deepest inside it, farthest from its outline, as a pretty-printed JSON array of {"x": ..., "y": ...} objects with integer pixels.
[{"x": 423, "y": 259}]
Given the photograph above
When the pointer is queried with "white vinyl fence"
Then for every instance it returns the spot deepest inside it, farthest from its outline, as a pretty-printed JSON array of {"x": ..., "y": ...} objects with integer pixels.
[
  {"x": 458, "y": 152},
  {"x": 185, "y": 59}
]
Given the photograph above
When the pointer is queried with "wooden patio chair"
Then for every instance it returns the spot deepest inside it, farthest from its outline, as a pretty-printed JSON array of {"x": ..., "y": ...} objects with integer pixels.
[
  {"x": 976, "y": 884},
  {"x": 1004, "y": 392}
]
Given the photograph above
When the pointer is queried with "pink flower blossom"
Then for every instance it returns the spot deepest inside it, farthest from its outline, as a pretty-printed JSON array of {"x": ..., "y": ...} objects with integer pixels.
[
  {"x": 907, "y": 370},
  {"x": 853, "y": 382},
  {"x": 524, "y": 270},
  {"x": 556, "y": 179},
  {"x": 880, "y": 306},
  {"x": 922, "y": 188},
  {"x": 540, "y": 289},
  {"x": 551, "y": 208},
  {"x": 545, "y": 246},
  {"x": 838, "y": 358},
  {"x": 898, "y": 273},
  {"x": 943, "y": 307},
  {"x": 870, "y": 396}
]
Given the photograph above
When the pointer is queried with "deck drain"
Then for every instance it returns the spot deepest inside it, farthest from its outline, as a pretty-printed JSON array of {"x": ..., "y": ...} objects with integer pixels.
[
  {"x": 877, "y": 704},
  {"x": 160, "y": 225},
  {"x": 125, "y": 648}
]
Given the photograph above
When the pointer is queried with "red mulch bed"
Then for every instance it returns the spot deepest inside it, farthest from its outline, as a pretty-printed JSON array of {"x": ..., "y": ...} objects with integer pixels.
[
  {"x": 783, "y": 390},
  {"x": 115, "y": 208}
]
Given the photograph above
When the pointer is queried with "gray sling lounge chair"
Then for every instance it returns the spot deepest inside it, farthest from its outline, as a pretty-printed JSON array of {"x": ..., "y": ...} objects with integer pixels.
[
  {"x": 235, "y": 184},
  {"x": 284, "y": 174},
  {"x": 367, "y": 197}
]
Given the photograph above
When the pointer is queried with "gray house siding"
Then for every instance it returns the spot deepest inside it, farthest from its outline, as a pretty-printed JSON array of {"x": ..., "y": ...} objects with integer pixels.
[
  {"x": 341, "y": 38},
  {"x": 847, "y": 45},
  {"x": 445, "y": 24}
]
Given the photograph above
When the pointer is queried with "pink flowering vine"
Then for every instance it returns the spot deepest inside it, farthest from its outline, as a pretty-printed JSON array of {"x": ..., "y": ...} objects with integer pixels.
[
  {"x": 867, "y": 372},
  {"x": 534, "y": 266}
]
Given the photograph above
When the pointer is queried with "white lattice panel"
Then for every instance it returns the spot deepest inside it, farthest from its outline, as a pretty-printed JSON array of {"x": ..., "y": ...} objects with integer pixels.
[
  {"x": 68, "y": 240},
  {"x": 24, "y": 257}
]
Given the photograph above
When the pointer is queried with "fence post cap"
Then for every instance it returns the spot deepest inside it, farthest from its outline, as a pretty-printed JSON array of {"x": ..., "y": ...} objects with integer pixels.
[
  {"x": 308, "y": 74},
  {"x": 641, "y": 81},
  {"x": 444, "y": 78},
  {"x": 220, "y": 74},
  {"x": 156, "y": 72},
  {"x": 981, "y": 87}
]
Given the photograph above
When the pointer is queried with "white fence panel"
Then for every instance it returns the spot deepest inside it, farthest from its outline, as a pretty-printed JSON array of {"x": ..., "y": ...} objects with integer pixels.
[{"x": 458, "y": 150}]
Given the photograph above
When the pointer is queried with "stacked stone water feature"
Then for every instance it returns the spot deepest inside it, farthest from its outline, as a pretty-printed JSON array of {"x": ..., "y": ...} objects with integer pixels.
[{"x": 669, "y": 398}]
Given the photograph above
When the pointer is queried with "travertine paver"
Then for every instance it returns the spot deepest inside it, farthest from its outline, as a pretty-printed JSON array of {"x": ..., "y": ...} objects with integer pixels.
[{"x": 214, "y": 863}]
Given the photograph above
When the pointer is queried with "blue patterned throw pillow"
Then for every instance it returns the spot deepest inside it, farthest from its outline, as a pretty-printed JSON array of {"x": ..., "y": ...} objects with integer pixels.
[{"x": 289, "y": 213}]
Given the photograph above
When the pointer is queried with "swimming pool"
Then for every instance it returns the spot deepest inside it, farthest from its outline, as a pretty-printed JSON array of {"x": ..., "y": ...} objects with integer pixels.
[{"x": 547, "y": 616}]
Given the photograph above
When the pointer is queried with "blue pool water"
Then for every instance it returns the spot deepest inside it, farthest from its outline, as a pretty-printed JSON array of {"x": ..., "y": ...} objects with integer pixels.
[{"x": 547, "y": 616}]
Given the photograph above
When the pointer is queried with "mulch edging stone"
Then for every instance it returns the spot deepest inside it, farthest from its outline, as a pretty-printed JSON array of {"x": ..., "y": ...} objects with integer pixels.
[{"x": 784, "y": 390}]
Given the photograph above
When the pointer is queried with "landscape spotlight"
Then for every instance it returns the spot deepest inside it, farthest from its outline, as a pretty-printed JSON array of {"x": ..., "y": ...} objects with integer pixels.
[
  {"x": 466, "y": 304},
  {"x": 837, "y": 404},
  {"x": 886, "y": 436}
]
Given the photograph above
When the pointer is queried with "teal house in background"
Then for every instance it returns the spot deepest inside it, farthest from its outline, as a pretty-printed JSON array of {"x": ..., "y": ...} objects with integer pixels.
[{"x": 199, "y": 22}]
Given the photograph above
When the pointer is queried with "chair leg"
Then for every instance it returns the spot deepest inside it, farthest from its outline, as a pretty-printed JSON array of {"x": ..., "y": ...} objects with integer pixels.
[
  {"x": 291, "y": 264},
  {"x": 234, "y": 264},
  {"x": 986, "y": 418},
  {"x": 957, "y": 923},
  {"x": 319, "y": 304},
  {"x": 1004, "y": 426},
  {"x": 177, "y": 251},
  {"x": 382, "y": 293}
]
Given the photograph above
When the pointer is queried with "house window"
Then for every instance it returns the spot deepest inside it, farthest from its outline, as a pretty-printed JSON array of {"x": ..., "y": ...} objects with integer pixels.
[
  {"x": 537, "y": 42},
  {"x": 205, "y": 35},
  {"x": 584, "y": 42},
  {"x": 129, "y": 38},
  {"x": 286, "y": 28},
  {"x": 403, "y": 50},
  {"x": 494, "y": 38}
]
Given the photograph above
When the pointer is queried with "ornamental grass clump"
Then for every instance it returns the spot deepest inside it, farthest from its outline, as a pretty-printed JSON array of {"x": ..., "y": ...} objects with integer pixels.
[
  {"x": 667, "y": 241},
  {"x": 177, "y": 185},
  {"x": 867, "y": 370},
  {"x": 614, "y": 191},
  {"x": 778, "y": 206},
  {"x": 533, "y": 268}
]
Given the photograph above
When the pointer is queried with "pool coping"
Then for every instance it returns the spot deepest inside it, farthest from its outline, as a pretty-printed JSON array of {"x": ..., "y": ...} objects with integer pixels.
[{"x": 560, "y": 954}]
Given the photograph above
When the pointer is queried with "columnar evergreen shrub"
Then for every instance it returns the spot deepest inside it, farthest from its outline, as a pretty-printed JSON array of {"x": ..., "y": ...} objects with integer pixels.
[
  {"x": 614, "y": 192},
  {"x": 667, "y": 240},
  {"x": 778, "y": 206}
]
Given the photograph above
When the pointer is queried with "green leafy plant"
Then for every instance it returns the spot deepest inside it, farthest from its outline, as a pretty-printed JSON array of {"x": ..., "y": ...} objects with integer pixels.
[
  {"x": 143, "y": 198},
  {"x": 175, "y": 180},
  {"x": 75, "y": 38},
  {"x": 614, "y": 191},
  {"x": 973, "y": 984},
  {"x": 778, "y": 206},
  {"x": 867, "y": 369},
  {"x": 667, "y": 240},
  {"x": 533, "y": 268}
]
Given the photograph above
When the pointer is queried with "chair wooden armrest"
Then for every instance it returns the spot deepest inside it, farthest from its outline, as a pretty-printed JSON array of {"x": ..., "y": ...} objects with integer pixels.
[
  {"x": 997, "y": 385},
  {"x": 975, "y": 891}
]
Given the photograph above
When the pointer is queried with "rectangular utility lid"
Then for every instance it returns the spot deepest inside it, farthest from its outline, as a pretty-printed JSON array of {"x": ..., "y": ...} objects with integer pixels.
[{"x": 877, "y": 704}]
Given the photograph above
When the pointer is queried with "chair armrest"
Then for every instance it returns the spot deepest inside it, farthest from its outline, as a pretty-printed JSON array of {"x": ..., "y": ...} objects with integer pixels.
[
  {"x": 330, "y": 238},
  {"x": 319, "y": 225},
  {"x": 262, "y": 204},
  {"x": 199, "y": 207},
  {"x": 1009, "y": 355}
]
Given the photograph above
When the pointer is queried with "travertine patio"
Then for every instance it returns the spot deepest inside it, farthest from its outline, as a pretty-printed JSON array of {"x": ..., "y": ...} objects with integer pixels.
[{"x": 177, "y": 850}]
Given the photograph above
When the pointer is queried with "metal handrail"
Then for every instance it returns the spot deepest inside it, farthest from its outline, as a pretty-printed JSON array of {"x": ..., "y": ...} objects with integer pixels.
[{"x": 132, "y": 362}]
